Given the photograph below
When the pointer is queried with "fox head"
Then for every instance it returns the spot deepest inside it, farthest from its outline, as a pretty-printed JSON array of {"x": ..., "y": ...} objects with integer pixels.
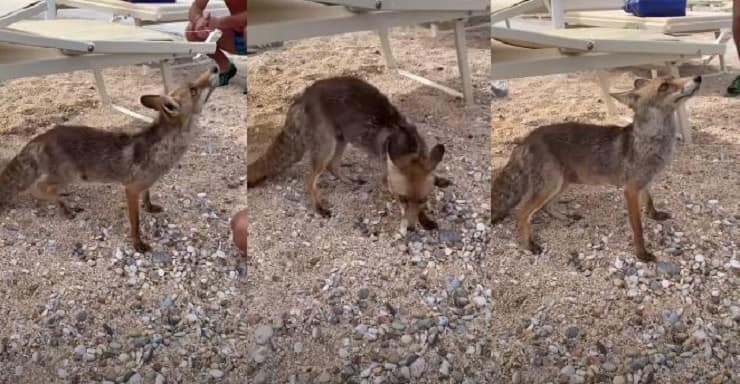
[
  {"x": 184, "y": 101},
  {"x": 410, "y": 176},
  {"x": 662, "y": 94}
]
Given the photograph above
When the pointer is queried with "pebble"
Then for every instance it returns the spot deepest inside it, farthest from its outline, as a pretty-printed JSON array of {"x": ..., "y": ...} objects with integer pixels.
[
  {"x": 444, "y": 368},
  {"x": 609, "y": 366},
  {"x": 479, "y": 301},
  {"x": 619, "y": 380},
  {"x": 406, "y": 339},
  {"x": 260, "y": 355},
  {"x": 363, "y": 293},
  {"x": 262, "y": 334},
  {"x": 135, "y": 379},
  {"x": 572, "y": 332},
  {"x": 417, "y": 367},
  {"x": 216, "y": 373},
  {"x": 667, "y": 268}
]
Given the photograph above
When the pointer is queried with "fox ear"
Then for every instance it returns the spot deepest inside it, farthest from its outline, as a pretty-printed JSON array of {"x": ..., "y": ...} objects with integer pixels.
[
  {"x": 639, "y": 83},
  {"x": 436, "y": 154},
  {"x": 161, "y": 103},
  {"x": 151, "y": 101},
  {"x": 627, "y": 98},
  {"x": 169, "y": 107}
]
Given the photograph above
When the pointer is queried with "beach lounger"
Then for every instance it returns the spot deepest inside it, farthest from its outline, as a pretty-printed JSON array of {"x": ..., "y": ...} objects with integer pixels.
[
  {"x": 694, "y": 22},
  {"x": 144, "y": 13},
  {"x": 283, "y": 20},
  {"x": 42, "y": 47},
  {"x": 522, "y": 52}
]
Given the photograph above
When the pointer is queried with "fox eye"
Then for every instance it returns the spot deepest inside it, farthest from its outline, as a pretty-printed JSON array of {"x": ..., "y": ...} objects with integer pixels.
[
  {"x": 663, "y": 87},
  {"x": 193, "y": 91}
]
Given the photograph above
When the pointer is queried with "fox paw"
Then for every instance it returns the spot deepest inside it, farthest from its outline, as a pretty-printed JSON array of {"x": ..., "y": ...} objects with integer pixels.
[
  {"x": 153, "y": 208},
  {"x": 646, "y": 256},
  {"x": 575, "y": 217},
  {"x": 427, "y": 223},
  {"x": 324, "y": 212},
  {"x": 660, "y": 215},
  {"x": 141, "y": 246},
  {"x": 535, "y": 248},
  {"x": 441, "y": 182}
]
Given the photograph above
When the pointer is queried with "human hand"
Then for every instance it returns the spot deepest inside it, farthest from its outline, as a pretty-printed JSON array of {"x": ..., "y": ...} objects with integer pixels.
[{"x": 201, "y": 27}]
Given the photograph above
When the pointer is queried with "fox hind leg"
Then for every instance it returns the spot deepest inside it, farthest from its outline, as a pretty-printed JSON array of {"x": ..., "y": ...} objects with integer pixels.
[
  {"x": 148, "y": 206},
  {"x": 549, "y": 187},
  {"x": 335, "y": 165},
  {"x": 320, "y": 160},
  {"x": 652, "y": 213},
  {"x": 45, "y": 190}
]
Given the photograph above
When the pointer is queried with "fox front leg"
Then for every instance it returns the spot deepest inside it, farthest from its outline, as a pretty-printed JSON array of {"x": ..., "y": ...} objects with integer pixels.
[
  {"x": 132, "y": 202},
  {"x": 632, "y": 196}
]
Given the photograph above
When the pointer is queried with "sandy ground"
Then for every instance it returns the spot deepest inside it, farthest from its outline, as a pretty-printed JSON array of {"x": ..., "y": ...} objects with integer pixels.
[
  {"x": 77, "y": 304},
  {"x": 585, "y": 310},
  {"x": 349, "y": 298}
]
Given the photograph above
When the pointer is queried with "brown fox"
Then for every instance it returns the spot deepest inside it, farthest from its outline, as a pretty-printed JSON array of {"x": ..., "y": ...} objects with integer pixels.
[
  {"x": 336, "y": 111},
  {"x": 68, "y": 154},
  {"x": 552, "y": 157}
]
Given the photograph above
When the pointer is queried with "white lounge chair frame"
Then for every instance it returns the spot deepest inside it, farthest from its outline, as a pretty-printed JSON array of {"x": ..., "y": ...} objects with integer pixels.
[
  {"x": 48, "y": 55},
  {"x": 141, "y": 13},
  {"x": 393, "y": 13},
  {"x": 591, "y": 54}
]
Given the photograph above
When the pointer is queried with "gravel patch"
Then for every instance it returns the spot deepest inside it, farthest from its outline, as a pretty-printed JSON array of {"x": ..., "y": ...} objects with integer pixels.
[
  {"x": 350, "y": 299},
  {"x": 586, "y": 310},
  {"x": 77, "y": 304}
]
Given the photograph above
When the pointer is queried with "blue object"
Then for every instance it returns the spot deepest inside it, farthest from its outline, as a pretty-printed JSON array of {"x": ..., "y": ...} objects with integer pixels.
[
  {"x": 240, "y": 43},
  {"x": 656, "y": 8},
  {"x": 150, "y": 1}
]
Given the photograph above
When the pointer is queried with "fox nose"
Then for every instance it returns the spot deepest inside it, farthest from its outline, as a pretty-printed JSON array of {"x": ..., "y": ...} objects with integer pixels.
[
  {"x": 214, "y": 69},
  {"x": 697, "y": 79}
]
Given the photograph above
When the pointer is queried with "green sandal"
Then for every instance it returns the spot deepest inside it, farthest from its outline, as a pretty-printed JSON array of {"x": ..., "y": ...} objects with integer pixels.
[
  {"x": 734, "y": 88},
  {"x": 226, "y": 76}
]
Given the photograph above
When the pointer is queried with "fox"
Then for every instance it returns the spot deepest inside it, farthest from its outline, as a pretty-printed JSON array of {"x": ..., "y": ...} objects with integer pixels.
[
  {"x": 70, "y": 154},
  {"x": 545, "y": 162},
  {"x": 334, "y": 112}
]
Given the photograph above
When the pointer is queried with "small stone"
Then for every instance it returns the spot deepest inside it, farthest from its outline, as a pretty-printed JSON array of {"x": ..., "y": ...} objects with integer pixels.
[
  {"x": 260, "y": 355},
  {"x": 444, "y": 368},
  {"x": 406, "y": 339},
  {"x": 62, "y": 373},
  {"x": 609, "y": 366},
  {"x": 360, "y": 330},
  {"x": 363, "y": 293},
  {"x": 298, "y": 347},
  {"x": 216, "y": 373},
  {"x": 262, "y": 334},
  {"x": 572, "y": 332},
  {"x": 405, "y": 373},
  {"x": 699, "y": 258},
  {"x": 479, "y": 301},
  {"x": 417, "y": 367},
  {"x": 619, "y": 380},
  {"x": 666, "y": 268},
  {"x": 19, "y": 370},
  {"x": 566, "y": 373},
  {"x": 134, "y": 379},
  {"x": 80, "y": 350},
  {"x": 343, "y": 353},
  {"x": 159, "y": 379},
  {"x": 324, "y": 378}
]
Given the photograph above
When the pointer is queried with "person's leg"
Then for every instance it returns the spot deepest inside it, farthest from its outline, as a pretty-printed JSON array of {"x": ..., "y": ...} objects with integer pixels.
[
  {"x": 734, "y": 88},
  {"x": 229, "y": 42}
]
